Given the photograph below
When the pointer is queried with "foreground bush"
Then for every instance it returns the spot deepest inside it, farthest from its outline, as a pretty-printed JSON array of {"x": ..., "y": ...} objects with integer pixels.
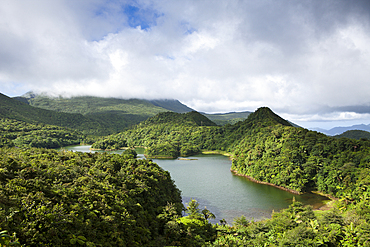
[{"x": 52, "y": 198}]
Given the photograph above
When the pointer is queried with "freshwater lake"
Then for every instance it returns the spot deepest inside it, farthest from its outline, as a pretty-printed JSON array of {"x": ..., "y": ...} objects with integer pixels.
[{"x": 208, "y": 179}]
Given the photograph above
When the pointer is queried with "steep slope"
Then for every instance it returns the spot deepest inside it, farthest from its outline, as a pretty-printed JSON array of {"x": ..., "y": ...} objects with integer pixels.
[
  {"x": 264, "y": 147},
  {"x": 86, "y": 105},
  {"x": 189, "y": 131},
  {"x": 22, "y": 134},
  {"x": 299, "y": 159},
  {"x": 113, "y": 114},
  {"x": 168, "y": 134},
  {"x": 14, "y": 109},
  {"x": 266, "y": 117}
]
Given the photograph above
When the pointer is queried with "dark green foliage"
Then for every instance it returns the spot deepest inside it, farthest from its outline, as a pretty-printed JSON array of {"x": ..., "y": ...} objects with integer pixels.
[
  {"x": 109, "y": 115},
  {"x": 21, "y": 134},
  {"x": 52, "y": 198},
  {"x": 86, "y": 105},
  {"x": 264, "y": 147},
  {"x": 130, "y": 153},
  {"x": 8, "y": 240},
  {"x": 14, "y": 109},
  {"x": 188, "y": 150},
  {"x": 163, "y": 150},
  {"x": 189, "y": 133},
  {"x": 59, "y": 199},
  {"x": 355, "y": 134},
  {"x": 302, "y": 160},
  {"x": 109, "y": 144},
  {"x": 266, "y": 117},
  {"x": 298, "y": 226},
  {"x": 191, "y": 230}
]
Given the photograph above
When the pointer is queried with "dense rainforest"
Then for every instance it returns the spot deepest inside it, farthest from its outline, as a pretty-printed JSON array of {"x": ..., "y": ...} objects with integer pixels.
[
  {"x": 268, "y": 148},
  {"x": 22, "y": 134},
  {"x": 51, "y": 198},
  {"x": 109, "y": 115},
  {"x": 16, "y": 110},
  {"x": 355, "y": 134},
  {"x": 264, "y": 147}
]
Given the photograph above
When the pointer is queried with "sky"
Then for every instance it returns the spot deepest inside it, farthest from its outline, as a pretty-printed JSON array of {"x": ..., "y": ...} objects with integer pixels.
[{"x": 308, "y": 60}]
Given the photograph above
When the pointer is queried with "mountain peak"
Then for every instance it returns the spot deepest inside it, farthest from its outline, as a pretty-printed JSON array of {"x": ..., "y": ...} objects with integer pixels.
[{"x": 265, "y": 114}]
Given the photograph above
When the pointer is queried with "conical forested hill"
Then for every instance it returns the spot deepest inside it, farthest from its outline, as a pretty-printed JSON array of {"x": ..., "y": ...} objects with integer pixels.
[{"x": 266, "y": 116}]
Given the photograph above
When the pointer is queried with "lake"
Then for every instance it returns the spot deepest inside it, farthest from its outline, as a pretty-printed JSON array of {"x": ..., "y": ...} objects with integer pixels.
[{"x": 208, "y": 179}]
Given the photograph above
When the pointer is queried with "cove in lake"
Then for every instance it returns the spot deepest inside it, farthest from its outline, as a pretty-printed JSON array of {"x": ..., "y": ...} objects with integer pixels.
[{"x": 208, "y": 179}]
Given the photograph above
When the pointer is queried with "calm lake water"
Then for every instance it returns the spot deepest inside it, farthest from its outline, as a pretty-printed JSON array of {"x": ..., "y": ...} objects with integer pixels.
[{"x": 208, "y": 179}]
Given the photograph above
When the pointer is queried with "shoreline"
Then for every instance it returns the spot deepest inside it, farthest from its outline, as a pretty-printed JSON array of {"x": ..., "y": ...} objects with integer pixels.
[
  {"x": 261, "y": 182},
  {"x": 224, "y": 153},
  {"x": 326, "y": 206}
]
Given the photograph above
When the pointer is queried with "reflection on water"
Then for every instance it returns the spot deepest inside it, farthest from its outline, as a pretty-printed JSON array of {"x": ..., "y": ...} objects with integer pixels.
[{"x": 208, "y": 180}]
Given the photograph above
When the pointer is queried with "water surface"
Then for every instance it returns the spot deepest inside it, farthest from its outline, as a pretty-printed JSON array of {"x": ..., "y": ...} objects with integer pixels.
[{"x": 207, "y": 178}]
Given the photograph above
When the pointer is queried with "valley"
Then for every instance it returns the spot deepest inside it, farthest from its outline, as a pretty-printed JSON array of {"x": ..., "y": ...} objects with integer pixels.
[{"x": 56, "y": 197}]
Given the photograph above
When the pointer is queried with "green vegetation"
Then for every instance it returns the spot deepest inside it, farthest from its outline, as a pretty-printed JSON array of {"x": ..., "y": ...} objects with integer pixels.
[
  {"x": 355, "y": 134},
  {"x": 165, "y": 135},
  {"x": 301, "y": 226},
  {"x": 52, "y": 198},
  {"x": 105, "y": 115},
  {"x": 21, "y": 134},
  {"x": 14, "y": 109},
  {"x": 109, "y": 144},
  {"x": 100, "y": 116},
  {"x": 186, "y": 134},
  {"x": 87, "y": 105},
  {"x": 264, "y": 147}
]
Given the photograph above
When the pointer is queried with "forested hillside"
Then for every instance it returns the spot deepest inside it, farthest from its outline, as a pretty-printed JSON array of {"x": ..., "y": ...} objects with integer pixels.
[
  {"x": 355, "y": 134},
  {"x": 14, "y": 109},
  {"x": 22, "y": 134},
  {"x": 264, "y": 147},
  {"x": 172, "y": 134},
  {"x": 51, "y": 198},
  {"x": 167, "y": 135},
  {"x": 112, "y": 114},
  {"x": 268, "y": 148},
  {"x": 86, "y": 105}
]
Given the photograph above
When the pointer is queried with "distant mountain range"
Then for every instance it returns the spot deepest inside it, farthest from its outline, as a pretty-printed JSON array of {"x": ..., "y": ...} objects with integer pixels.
[
  {"x": 102, "y": 116},
  {"x": 339, "y": 130},
  {"x": 111, "y": 115},
  {"x": 98, "y": 107},
  {"x": 86, "y": 105},
  {"x": 355, "y": 134}
]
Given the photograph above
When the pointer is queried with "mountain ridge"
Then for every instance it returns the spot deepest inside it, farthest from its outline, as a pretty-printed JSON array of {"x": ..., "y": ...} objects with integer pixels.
[{"x": 341, "y": 129}]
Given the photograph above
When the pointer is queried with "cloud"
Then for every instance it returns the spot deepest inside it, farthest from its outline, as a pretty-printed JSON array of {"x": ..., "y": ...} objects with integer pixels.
[{"x": 299, "y": 58}]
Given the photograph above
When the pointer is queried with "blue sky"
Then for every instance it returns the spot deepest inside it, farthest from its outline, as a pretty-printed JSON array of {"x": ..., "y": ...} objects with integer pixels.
[{"x": 307, "y": 60}]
